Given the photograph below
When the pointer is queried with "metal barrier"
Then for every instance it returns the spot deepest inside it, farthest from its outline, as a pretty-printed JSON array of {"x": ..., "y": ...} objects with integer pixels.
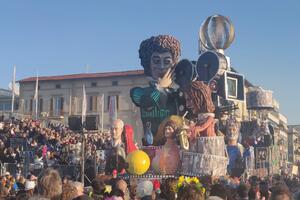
[
  {"x": 12, "y": 168},
  {"x": 37, "y": 169}
]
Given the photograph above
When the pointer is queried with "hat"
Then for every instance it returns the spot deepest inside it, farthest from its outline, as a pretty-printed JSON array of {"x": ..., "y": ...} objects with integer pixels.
[
  {"x": 29, "y": 185},
  {"x": 144, "y": 188},
  {"x": 7, "y": 173},
  {"x": 156, "y": 186}
]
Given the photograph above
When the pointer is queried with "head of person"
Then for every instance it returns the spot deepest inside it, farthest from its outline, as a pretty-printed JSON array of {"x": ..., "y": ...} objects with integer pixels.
[
  {"x": 117, "y": 129},
  {"x": 79, "y": 188},
  {"x": 218, "y": 190},
  {"x": 158, "y": 54},
  {"x": 280, "y": 192},
  {"x": 50, "y": 184},
  {"x": 144, "y": 189},
  {"x": 69, "y": 191},
  {"x": 98, "y": 186},
  {"x": 66, "y": 178},
  {"x": 122, "y": 185},
  {"x": 243, "y": 190},
  {"x": 169, "y": 188},
  {"x": 190, "y": 191},
  {"x": 198, "y": 98}
]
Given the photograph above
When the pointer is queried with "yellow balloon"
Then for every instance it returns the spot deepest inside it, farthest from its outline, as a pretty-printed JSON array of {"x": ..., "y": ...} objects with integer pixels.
[{"x": 139, "y": 162}]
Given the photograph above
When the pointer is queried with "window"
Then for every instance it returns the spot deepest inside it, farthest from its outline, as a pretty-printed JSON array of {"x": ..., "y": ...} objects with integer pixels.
[
  {"x": 26, "y": 105},
  {"x": 57, "y": 86},
  {"x": 115, "y": 83},
  {"x": 94, "y": 84},
  {"x": 93, "y": 103},
  {"x": 7, "y": 106},
  {"x": 56, "y": 106},
  {"x": 111, "y": 100},
  {"x": 31, "y": 105},
  {"x": 41, "y": 105},
  {"x": 51, "y": 106}
]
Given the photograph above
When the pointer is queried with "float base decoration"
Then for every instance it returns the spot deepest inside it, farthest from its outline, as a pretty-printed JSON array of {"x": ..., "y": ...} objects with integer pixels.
[
  {"x": 206, "y": 157},
  {"x": 139, "y": 162}
]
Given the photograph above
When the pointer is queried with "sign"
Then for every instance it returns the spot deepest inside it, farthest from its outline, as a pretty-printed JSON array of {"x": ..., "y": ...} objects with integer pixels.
[{"x": 262, "y": 154}]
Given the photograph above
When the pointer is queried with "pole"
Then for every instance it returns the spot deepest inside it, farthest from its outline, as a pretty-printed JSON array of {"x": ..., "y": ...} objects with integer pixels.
[
  {"x": 82, "y": 157},
  {"x": 83, "y": 118},
  {"x": 36, "y": 96},
  {"x": 102, "y": 112},
  {"x": 13, "y": 91}
]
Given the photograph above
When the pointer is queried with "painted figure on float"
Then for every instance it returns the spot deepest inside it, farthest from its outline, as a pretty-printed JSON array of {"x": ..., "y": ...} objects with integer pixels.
[
  {"x": 123, "y": 144},
  {"x": 199, "y": 101},
  {"x": 123, "y": 138},
  {"x": 167, "y": 159},
  {"x": 206, "y": 153},
  {"x": 159, "y": 55},
  {"x": 235, "y": 150}
]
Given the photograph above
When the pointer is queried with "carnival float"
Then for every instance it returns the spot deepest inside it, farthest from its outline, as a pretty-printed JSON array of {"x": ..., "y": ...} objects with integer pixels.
[{"x": 183, "y": 108}]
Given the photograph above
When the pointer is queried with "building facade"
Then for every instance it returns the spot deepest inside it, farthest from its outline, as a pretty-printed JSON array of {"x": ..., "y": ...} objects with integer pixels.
[
  {"x": 6, "y": 102},
  {"x": 62, "y": 96}
]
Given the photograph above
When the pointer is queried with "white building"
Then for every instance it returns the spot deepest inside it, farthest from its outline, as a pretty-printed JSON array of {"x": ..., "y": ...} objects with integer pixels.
[{"x": 62, "y": 95}]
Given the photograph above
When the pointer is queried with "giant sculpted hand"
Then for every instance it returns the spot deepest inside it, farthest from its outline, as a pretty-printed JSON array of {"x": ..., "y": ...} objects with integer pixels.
[{"x": 167, "y": 80}]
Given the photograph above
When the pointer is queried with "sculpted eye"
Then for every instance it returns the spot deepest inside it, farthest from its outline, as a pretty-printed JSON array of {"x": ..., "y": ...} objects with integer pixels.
[
  {"x": 156, "y": 60},
  {"x": 167, "y": 61}
]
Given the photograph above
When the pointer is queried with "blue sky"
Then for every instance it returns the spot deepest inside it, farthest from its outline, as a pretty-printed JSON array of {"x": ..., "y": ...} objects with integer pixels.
[{"x": 62, "y": 37}]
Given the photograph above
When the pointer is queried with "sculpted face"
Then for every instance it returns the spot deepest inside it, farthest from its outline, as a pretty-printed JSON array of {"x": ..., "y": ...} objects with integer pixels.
[
  {"x": 117, "y": 130},
  {"x": 232, "y": 132},
  {"x": 169, "y": 131},
  {"x": 160, "y": 63},
  {"x": 190, "y": 104}
]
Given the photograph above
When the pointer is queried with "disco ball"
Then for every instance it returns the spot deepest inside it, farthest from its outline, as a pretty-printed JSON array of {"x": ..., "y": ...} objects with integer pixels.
[{"x": 216, "y": 33}]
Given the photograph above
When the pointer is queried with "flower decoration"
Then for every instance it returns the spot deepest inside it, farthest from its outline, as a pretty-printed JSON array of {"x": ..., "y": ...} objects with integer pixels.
[
  {"x": 108, "y": 189},
  {"x": 184, "y": 181}
]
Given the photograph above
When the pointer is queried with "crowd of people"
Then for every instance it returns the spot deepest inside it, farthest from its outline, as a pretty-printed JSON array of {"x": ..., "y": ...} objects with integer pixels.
[
  {"x": 49, "y": 143},
  {"x": 53, "y": 145},
  {"x": 49, "y": 185}
]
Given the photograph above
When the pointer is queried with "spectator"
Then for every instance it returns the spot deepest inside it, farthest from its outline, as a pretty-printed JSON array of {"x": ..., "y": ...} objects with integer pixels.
[
  {"x": 168, "y": 191},
  {"x": 29, "y": 187},
  {"x": 242, "y": 192},
  {"x": 79, "y": 188},
  {"x": 122, "y": 185},
  {"x": 280, "y": 192},
  {"x": 144, "y": 190},
  {"x": 50, "y": 185},
  {"x": 69, "y": 191},
  {"x": 190, "y": 192},
  {"x": 98, "y": 189},
  {"x": 218, "y": 190}
]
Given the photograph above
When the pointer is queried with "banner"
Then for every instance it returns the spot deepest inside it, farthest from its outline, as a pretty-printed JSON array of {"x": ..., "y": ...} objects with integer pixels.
[
  {"x": 83, "y": 113},
  {"x": 112, "y": 109}
]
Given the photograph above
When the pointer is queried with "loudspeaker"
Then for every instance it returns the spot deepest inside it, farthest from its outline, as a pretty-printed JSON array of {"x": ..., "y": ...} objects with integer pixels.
[
  {"x": 91, "y": 123},
  {"x": 75, "y": 123}
]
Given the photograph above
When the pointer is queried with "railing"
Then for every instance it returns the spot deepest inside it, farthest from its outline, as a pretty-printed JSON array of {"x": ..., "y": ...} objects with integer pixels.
[{"x": 37, "y": 169}]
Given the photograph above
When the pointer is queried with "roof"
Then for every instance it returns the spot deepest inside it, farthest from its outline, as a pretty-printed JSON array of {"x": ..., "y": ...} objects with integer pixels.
[
  {"x": 5, "y": 92},
  {"x": 297, "y": 127},
  {"x": 84, "y": 76}
]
